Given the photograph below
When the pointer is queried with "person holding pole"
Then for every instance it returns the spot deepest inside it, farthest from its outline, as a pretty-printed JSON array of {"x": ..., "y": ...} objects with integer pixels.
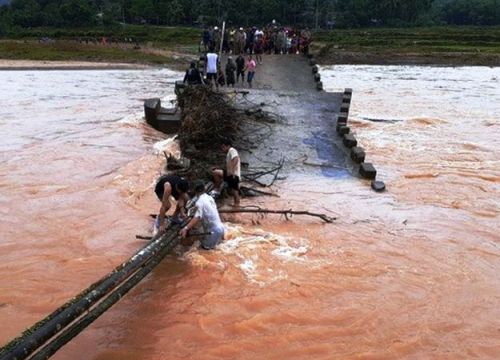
[{"x": 207, "y": 215}]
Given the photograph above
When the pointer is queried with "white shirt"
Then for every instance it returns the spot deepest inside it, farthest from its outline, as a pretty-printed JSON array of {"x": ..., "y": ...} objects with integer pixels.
[
  {"x": 212, "y": 63},
  {"x": 206, "y": 210},
  {"x": 231, "y": 154}
]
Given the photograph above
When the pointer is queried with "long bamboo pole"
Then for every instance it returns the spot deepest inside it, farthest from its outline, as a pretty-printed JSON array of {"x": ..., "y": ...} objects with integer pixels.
[
  {"x": 41, "y": 332},
  {"x": 74, "y": 329}
]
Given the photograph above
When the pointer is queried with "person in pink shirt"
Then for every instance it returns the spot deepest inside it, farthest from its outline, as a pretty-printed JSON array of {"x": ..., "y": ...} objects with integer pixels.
[{"x": 250, "y": 67}]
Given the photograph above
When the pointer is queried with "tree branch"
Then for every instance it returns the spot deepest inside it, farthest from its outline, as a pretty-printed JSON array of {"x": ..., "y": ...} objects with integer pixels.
[{"x": 287, "y": 213}]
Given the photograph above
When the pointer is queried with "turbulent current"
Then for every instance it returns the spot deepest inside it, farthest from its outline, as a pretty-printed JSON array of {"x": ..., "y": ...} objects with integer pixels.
[{"x": 409, "y": 273}]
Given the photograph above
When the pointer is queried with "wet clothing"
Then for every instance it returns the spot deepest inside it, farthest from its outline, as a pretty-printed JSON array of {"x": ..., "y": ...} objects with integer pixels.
[
  {"x": 233, "y": 181},
  {"x": 206, "y": 211},
  {"x": 173, "y": 180},
  {"x": 192, "y": 77},
  {"x": 231, "y": 154}
]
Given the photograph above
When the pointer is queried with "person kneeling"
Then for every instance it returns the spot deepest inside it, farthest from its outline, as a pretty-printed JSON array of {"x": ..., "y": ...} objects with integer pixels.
[{"x": 206, "y": 214}]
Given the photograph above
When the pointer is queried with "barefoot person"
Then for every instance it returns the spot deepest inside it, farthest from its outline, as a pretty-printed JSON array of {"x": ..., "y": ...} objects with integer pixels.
[
  {"x": 206, "y": 213},
  {"x": 167, "y": 187},
  {"x": 231, "y": 175}
]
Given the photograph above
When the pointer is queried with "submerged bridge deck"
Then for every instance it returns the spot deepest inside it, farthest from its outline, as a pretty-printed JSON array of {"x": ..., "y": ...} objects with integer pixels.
[{"x": 305, "y": 133}]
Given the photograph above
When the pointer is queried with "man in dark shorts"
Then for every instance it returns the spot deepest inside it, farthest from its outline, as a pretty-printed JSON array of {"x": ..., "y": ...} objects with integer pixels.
[
  {"x": 168, "y": 186},
  {"x": 231, "y": 174},
  {"x": 212, "y": 64}
]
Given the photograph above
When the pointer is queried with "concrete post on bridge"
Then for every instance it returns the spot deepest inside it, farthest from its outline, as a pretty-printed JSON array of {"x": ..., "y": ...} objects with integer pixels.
[{"x": 357, "y": 153}]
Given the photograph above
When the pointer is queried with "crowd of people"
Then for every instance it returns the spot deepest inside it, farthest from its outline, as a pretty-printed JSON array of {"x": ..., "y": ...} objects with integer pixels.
[
  {"x": 216, "y": 75},
  {"x": 244, "y": 49},
  {"x": 205, "y": 215},
  {"x": 272, "y": 39}
]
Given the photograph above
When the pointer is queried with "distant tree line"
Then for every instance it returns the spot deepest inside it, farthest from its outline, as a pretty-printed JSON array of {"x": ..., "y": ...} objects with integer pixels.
[{"x": 311, "y": 13}]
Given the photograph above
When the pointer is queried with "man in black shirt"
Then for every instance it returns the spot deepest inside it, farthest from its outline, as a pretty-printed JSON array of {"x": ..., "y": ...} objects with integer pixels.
[
  {"x": 193, "y": 76},
  {"x": 166, "y": 187}
]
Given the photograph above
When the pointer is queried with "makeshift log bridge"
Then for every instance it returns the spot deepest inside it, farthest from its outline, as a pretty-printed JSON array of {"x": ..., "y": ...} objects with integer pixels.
[{"x": 48, "y": 335}]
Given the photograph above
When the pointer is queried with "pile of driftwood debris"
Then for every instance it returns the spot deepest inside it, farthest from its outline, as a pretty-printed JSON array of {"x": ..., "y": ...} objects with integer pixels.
[{"x": 208, "y": 117}]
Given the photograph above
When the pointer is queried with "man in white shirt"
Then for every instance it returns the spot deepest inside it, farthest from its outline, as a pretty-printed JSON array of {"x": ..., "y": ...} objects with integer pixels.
[
  {"x": 232, "y": 174},
  {"x": 206, "y": 213},
  {"x": 212, "y": 60}
]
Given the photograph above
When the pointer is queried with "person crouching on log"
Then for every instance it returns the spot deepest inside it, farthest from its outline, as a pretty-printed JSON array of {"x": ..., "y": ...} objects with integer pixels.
[
  {"x": 231, "y": 175},
  {"x": 167, "y": 187},
  {"x": 206, "y": 213}
]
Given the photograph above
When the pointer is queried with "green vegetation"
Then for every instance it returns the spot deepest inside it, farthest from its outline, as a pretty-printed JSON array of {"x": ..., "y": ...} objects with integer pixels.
[
  {"x": 141, "y": 33},
  {"x": 67, "y": 50},
  {"x": 465, "y": 45},
  {"x": 312, "y": 13},
  {"x": 416, "y": 40},
  {"x": 175, "y": 46}
]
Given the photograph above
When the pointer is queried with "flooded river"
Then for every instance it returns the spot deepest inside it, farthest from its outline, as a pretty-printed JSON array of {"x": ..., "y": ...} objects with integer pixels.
[{"x": 409, "y": 273}]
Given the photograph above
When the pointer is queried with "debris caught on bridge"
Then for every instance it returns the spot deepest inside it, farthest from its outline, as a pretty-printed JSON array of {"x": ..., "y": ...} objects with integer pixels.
[{"x": 208, "y": 116}]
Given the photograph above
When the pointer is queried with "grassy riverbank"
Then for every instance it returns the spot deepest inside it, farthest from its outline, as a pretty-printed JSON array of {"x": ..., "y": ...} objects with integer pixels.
[
  {"x": 436, "y": 45},
  {"x": 175, "y": 46},
  {"x": 156, "y": 45}
]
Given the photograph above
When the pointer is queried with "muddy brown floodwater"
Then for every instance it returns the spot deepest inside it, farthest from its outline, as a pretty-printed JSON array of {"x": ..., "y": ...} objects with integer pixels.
[{"x": 409, "y": 273}]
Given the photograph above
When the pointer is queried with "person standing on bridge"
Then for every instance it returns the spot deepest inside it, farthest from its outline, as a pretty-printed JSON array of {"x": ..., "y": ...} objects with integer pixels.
[
  {"x": 230, "y": 69},
  {"x": 168, "y": 186},
  {"x": 231, "y": 175},
  {"x": 240, "y": 68},
  {"x": 251, "y": 65},
  {"x": 206, "y": 213},
  {"x": 212, "y": 62}
]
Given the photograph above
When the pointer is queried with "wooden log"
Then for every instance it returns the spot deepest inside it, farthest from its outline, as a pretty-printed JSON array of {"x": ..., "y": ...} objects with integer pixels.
[
  {"x": 346, "y": 99},
  {"x": 348, "y": 91},
  {"x": 319, "y": 86},
  {"x": 315, "y": 69},
  {"x": 69, "y": 333},
  {"x": 344, "y": 108},
  {"x": 38, "y": 334},
  {"x": 324, "y": 217},
  {"x": 317, "y": 77}
]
